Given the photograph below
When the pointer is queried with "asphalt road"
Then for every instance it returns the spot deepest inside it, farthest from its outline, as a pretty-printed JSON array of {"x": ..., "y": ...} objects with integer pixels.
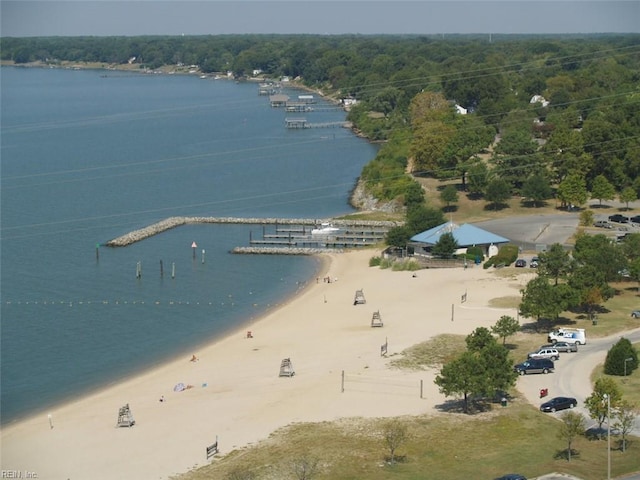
[
  {"x": 539, "y": 231},
  {"x": 572, "y": 379},
  {"x": 531, "y": 230},
  {"x": 572, "y": 374}
]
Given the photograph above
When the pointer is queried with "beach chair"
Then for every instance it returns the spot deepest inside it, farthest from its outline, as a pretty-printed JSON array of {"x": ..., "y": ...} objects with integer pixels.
[
  {"x": 125, "y": 417},
  {"x": 376, "y": 319},
  {"x": 286, "y": 368},
  {"x": 359, "y": 298}
]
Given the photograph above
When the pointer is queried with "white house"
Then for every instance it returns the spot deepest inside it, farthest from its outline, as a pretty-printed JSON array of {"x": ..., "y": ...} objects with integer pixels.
[
  {"x": 461, "y": 110},
  {"x": 539, "y": 99}
]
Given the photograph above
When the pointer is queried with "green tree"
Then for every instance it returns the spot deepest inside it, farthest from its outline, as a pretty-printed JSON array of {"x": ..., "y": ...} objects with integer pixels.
[
  {"x": 497, "y": 191},
  {"x": 498, "y": 368},
  {"x": 421, "y": 218},
  {"x": 398, "y": 236},
  {"x": 446, "y": 246},
  {"x": 634, "y": 270},
  {"x": 573, "y": 190},
  {"x": 429, "y": 142},
  {"x": 470, "y": 138},
  {"x": 599, "y": 252},
  {"x": 413, "y": 195},
  {"x": 621, "y": 358},
  {"x": 596, "y": 403},
  {"x": 541, "y": 300},
  {"x": 462, "y": 377},
  {"x": 631, "y": 246},
  {"x": 395, "y": 433},
  {"x": 565, "y": 149},
  {"x": 602, "y": 189},
  {"x": 625, "y": 416},
  {"x": 478, "y": 177},
  {"x": 628, "y": 194},
  {"x": 514, "y": 156},
  {"x": 505, "y": 327},
  {"x": 555, "y": 263},
  {"x": 586, "y": 217},
  {"x": 478, "y": 339},
  {"x": 590, "y": 288},
  {"x": 537, "y": 189},
  {"x": 572, "y": 426},
  {"x": 449, "y": 195}
]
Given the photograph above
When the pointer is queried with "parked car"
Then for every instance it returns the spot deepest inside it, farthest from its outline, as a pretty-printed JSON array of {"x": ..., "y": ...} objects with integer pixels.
[
  {"x": 550, "y": 353},
  {"x": 562, "y": 347},
  {"x": 618, "y": 218},
  {"x": 512, "y": 476},
  {"x": 534, "y": 262},
  {"x": 635, "y": 314},
  {"x": 602, "y": 224},
  {"x": 521, "y": 262},
  {"x": 534, "y": 365},
  {"x": 636, "y": 219},
  {"x": 558, "y": 403}
]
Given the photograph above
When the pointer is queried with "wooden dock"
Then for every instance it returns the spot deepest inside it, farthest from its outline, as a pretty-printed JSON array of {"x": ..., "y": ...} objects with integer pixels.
[{"x": 295, "y": 123}]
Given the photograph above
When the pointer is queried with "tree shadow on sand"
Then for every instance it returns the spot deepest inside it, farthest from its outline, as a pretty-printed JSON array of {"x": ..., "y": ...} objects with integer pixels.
[
  {"x": 475, "y": 405},
  {"x": 495, "y": 207},
  {"x": 534, "y": 204}
]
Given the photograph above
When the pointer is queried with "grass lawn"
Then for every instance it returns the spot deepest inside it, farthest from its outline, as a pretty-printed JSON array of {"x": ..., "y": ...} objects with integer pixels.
[{"x": 445, "y": 447}]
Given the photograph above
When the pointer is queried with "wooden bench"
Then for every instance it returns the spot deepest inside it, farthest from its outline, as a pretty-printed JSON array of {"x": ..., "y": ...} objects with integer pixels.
[
  {"x": 286, "y": 368},
  {"x": 212, "y": 449},
  {"x": 359, "y": 298}
]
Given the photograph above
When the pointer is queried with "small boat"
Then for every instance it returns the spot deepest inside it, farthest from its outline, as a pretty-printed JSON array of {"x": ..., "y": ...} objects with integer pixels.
[{"x": 325, "y": 229}]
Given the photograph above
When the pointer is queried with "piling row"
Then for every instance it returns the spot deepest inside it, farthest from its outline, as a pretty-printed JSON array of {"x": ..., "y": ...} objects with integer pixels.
[{"x": 172, "y": 222}]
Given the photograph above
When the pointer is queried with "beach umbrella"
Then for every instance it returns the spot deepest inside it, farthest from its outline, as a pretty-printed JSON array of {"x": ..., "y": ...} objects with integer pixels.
[{"x": 179, "y": 387}]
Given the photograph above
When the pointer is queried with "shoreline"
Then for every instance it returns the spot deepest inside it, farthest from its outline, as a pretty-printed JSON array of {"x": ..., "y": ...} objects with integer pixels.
[
  {"x": 323, "y": 263},
  {"x": 236, "y": 392}
]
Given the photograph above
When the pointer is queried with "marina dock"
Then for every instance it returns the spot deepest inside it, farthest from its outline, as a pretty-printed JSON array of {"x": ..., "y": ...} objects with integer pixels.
[{"x": 278, "y": 234}]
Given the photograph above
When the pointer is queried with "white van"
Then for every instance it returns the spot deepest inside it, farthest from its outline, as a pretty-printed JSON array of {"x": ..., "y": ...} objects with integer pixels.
[{"x": 569, "y": 335}]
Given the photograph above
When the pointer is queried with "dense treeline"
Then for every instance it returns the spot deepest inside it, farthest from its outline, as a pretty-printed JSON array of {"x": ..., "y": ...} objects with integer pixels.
[{"x": 582, "y": 132}]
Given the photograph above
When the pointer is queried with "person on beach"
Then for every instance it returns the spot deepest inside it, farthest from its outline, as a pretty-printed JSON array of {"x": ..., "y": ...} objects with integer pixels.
[{"x": 194, "y": 358}]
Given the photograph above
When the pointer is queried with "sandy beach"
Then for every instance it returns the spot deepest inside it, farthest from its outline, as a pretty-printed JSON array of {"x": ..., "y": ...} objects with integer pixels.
[{"x": 236, "y": 392}]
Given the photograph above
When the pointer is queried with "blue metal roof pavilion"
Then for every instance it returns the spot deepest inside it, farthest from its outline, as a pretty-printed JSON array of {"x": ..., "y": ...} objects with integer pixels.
[{"x": 466, "y": 235}]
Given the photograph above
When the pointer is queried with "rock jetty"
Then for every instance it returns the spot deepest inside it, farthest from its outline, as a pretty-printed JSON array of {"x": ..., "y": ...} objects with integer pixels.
[{"x": 173, "y": 222}]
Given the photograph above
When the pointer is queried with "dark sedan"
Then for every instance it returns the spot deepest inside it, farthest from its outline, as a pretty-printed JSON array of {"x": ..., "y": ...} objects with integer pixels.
[
  {"x": 619, "y": 218},
  {"x": 512, "y": 476},
  {"x": 558, "y": 403},
  {"x": 521, "y": 262}
]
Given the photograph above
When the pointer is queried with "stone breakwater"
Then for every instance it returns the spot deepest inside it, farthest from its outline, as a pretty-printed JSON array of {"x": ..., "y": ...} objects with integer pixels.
[{"x": 173, "y": 222}]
